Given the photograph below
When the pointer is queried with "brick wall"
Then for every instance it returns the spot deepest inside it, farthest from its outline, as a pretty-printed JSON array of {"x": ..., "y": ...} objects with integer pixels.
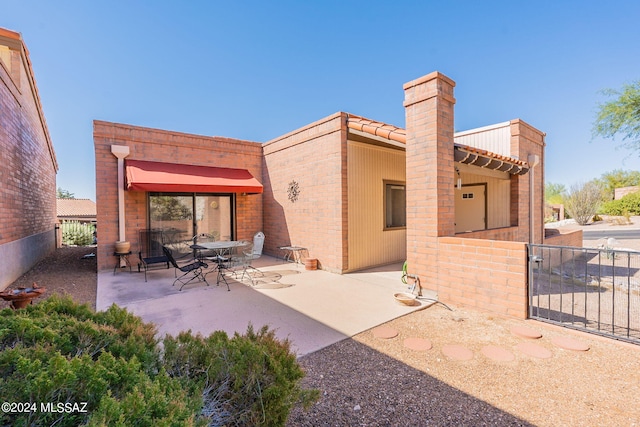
[
  {"x": 171, "y": 147},
  {"x": 28, "y": 166},
  {"x": 484, "y": 269},
  {"x": 429, "y": 105},
  {"x": 484, "y": 274},
  {"x": 315, "y": 158},
  {"x": 560, "y": 237}
]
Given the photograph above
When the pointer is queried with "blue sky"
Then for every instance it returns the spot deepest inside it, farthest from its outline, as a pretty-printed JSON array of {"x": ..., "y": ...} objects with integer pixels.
[{"x": 258, "y": 69}]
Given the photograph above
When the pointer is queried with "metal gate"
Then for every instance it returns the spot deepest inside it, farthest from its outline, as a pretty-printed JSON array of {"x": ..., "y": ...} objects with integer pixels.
[{"x": 594, "y": 290}]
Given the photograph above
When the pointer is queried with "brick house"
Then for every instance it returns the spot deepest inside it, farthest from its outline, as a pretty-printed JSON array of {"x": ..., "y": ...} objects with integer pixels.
[
  {"x": 357, "y": 193},
  {"x": 29, "y": 165}
]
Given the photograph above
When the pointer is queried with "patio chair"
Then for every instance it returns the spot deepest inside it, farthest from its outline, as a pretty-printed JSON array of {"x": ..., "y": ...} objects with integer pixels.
[
  {"x": 150, "y": 250},
  {"x": 190, "y": 271},
  {"x": 254, "y": 252}
]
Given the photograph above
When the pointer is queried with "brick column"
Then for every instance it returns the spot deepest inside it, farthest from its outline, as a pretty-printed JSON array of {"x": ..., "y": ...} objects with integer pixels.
[
  {"x": 525, "y": 142},
  {"x": 429, "y": 103}
]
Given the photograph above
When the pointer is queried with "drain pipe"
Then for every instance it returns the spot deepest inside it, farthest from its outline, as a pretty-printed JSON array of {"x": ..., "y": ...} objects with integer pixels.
[
  {"x": 120, "y": 151},
  {"x": 533, "y": 159}
]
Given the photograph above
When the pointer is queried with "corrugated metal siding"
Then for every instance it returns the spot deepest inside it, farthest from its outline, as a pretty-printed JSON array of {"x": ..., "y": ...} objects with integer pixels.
[
  {"x": 498, "y": 194},
  {"x": 496, "y": 138},
  {"x": 369, "y": 243}
]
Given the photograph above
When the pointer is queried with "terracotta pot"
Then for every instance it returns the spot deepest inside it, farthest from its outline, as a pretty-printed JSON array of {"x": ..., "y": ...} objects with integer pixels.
[
  {"x": 310, "y": 263},
  {"x": 21, "y": 303},
  {"x": 122, "y": 247}
]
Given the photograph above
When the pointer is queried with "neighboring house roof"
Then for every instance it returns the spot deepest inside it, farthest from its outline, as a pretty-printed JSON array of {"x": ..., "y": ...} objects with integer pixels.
[
  {"x": 76, "y": 208},
  {"x": 463, "y": 153},
  {"x": 14, "y": 41}
]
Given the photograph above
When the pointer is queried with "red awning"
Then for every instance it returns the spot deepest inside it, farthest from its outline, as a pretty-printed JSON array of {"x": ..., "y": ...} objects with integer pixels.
[{"x": 177, "y": 178}]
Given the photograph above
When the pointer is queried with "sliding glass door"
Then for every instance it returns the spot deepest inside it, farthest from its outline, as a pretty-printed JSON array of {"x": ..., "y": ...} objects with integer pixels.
[
  {"x": 214, "y": 215},
  {"x": 182, "y": 216}
]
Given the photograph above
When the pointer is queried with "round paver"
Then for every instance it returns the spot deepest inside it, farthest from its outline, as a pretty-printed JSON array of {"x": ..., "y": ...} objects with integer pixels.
[
  {"x": 385, "y": 332},
  {"x": 457, "y": 352},
  {"x": 525, "y": 332},
  {"x": 534, "y": 350},
  {"x": 570, "y": 344},
  {"x": 498, "y": 354},
  {"x": 418, "y": 344}
]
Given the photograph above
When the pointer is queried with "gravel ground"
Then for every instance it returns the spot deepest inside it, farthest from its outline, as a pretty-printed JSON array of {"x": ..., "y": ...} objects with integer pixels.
[
  {"x": 65, "y": 271},
  {"x": 370, "y": 381}
]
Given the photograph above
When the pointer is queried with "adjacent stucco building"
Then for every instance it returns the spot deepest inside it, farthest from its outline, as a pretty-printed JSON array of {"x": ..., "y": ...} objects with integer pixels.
[{"x": 28, "y": 165}]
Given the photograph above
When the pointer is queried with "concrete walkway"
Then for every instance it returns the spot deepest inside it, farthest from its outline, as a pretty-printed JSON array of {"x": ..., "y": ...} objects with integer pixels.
[{"x": 313, "y": 309}]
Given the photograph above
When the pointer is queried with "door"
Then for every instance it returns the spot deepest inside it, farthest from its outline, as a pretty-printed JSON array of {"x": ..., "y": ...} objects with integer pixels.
[
  {"x": 182, "y": 216},
  {"x": 471, "y": 208}
]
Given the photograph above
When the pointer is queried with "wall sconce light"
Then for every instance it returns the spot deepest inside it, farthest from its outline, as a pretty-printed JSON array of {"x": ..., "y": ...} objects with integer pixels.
[{"x": 459, "y": 182}]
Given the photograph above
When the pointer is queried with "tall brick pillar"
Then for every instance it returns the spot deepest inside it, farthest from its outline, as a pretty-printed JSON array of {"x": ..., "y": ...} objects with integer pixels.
[
  {"x": 528, "y": 142},
  {"x": 429, "y": 103}
]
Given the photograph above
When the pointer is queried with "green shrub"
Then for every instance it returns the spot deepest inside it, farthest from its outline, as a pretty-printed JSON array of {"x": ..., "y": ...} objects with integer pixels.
[
  {"x": 110, "y": 364},
  {"x": 77, "y": 233},
  {"x": 627, "y": 205},
  {"x": 247, "y": 380}
]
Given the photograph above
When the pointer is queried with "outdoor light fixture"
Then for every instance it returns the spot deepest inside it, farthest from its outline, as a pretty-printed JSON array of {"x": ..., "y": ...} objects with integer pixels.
[{"x": 459, "y": 182}]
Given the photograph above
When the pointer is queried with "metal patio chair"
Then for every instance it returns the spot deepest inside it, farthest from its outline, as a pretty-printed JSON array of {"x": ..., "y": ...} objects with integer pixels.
[
  {"x": 150, "y": 252},
  {"x": 190, "y": 271},
  {"x": 251, "y": 253}
]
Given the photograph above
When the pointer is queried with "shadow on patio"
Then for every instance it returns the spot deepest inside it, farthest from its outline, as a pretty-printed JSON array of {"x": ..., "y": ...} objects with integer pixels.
[{"x": 313, "y": 309}]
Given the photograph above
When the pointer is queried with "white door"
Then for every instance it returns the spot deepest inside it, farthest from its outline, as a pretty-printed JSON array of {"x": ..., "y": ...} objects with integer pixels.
[{"x": 471, "y": 208}]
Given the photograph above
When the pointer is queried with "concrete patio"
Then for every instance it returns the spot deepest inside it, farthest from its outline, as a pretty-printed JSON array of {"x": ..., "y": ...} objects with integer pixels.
[{"x": 313, "y": 309}]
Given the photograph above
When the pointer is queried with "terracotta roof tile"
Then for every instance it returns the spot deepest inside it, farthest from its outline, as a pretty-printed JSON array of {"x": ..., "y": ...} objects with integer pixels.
[
  {"x": 394, "y": 133},
  {"x": 380, "y": 129},
  {"x": 76, "y": 208}
]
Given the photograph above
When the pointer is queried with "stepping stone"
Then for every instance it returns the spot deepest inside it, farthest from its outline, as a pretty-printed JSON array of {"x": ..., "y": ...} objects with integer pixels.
[
  {"x": 498, "y": 354},
  {"x": 525, "y": 332},
  {"x": 385, "y": 332},
  {"x": 457, "y": 352},
  {"x": 534, "y": 350},
  {"x": 418, "y": 344},
  {"x": 570, "y": 344}
]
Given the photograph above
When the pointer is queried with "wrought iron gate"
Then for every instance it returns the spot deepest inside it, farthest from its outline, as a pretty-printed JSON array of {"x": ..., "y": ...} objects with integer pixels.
[{"x": 595, "y": 290}]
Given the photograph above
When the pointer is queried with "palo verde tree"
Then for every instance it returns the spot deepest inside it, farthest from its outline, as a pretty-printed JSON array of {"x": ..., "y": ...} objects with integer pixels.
[
  {"x": 618, "y": 178},
  {"x": 621, "y": 115},
  {"x": 583, "y": 201},
  {"x": 554, "y": 193}
]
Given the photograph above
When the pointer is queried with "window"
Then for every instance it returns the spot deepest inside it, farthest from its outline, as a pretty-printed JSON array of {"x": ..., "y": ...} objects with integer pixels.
[
  {"x": 395, "y": 205},
  {"x": 182, "y": 216}
]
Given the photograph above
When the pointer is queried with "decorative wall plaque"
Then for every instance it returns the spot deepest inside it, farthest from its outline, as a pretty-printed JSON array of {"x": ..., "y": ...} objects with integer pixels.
[{"x": 293, "y": 191}]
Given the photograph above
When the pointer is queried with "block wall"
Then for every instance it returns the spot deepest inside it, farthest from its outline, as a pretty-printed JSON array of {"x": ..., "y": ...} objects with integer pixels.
[
  {"x": 484, "y": 269},
  {"x": 28, "y": 166},
  {"x": 484, "y": 274},
  {"x": 171, "y": 147},
  {"x": 314, "y": 158},
  {"x": 429, "y": 105}
]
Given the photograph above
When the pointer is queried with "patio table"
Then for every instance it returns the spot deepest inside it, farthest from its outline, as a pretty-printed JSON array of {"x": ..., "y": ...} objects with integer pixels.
[
  {"x": 292, "y": 253},
  {"x": 222, "y": 248}
]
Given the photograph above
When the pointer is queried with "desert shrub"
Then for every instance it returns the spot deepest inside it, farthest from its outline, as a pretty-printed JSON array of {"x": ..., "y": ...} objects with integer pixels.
[
  {"x": 77, "y": 233},
  {"x": 60, "y": 352},
  {"x": 247, "y": 380},
  {"x": 583, "y": 202},
  {"x": 627, "y": 205}
]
